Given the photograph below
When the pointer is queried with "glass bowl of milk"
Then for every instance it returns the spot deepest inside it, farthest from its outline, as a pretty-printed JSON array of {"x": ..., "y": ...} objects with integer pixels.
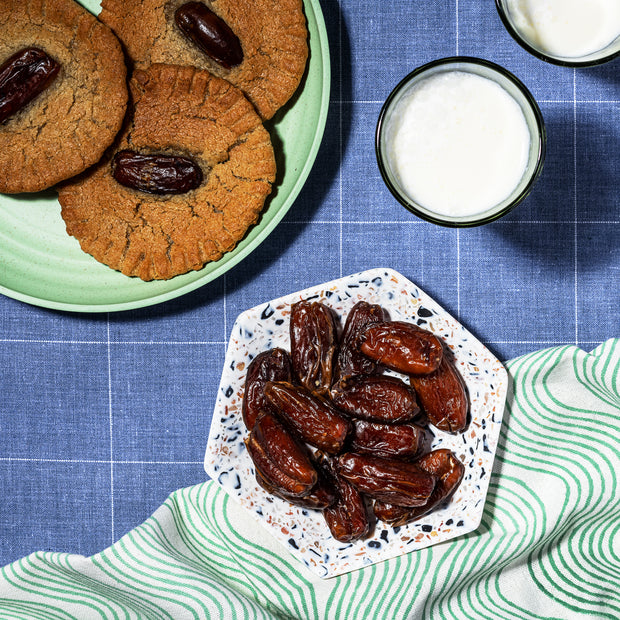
[
  {"x": 460, "y": 141},
  {"x": 573, "y": 33}
]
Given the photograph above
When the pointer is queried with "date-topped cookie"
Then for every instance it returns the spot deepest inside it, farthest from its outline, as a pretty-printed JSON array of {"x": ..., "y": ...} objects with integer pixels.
[
  {"x": 260, "y": 46},
  {"x": 188, "y": 176},
  {"x": 63, "y": 92}
]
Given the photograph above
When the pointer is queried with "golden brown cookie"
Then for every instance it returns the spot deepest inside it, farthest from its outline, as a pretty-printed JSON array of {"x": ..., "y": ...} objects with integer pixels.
[
  {"x": 177, "y": 112},
  {"x": 273, "y": 36},
  {"x": 66, "y": 127}
]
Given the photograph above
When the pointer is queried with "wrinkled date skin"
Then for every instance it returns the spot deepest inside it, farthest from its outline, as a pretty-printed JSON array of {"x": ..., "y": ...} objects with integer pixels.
[
  {"x": 347, "y": 518},
  {"x": 443, "y": 397},
  {"x": 210, "y": 33},
  {"x": 156, "y": 174},
  {"x": 272, "y": 365},
  {"x": 387, "y": 440},
  {"x": 314, "y": 345},
  {"x": 350, "y": 360},
  {"x": 322, "y": 495},
  {"x": 403, "y": 347},
  {"x": 449, "y": 471},
  {"x": 23, "y": 76},
  {"x": 388, "y": 480},
  {"x": 279, "y": 459},
  {"x": 313, "y": 419},
  {"x": 376, "y": 397}
]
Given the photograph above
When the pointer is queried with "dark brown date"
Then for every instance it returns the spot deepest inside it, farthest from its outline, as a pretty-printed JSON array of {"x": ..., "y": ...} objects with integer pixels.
[
  {"x": 156, "y": 174},
  {"x": 312, "y": 418},
  {"x": 443, "y": 397},
  {"x": 347, "y": 518},
  {"x": 210, "y": 33},
  {"x": 350, "y": 360},
  {"x": 23, "y": 76},
  {"x": 392, "y": 514},
  {"x": 388, "y": 480},
  {"x": 448, "y": 470},
  {"x": 279, "y": 458},
  {"x": 320, "y": 497},
  {"x": 376, "y": 397},
  {"x": 387, "y": 440},
  {"x": 272, "y": 365},
  {"x": 402, "y": 346},
  {"x": 313, "y": 344}
]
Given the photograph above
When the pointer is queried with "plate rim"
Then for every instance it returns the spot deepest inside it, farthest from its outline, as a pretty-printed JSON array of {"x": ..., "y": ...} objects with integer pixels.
[{"x": 234, "y": 257}]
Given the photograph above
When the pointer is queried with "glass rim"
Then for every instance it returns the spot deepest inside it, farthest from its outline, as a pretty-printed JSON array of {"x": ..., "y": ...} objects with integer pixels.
[
  {"x": 562, "y": 61},
  {"x": 490, "y": 214}
]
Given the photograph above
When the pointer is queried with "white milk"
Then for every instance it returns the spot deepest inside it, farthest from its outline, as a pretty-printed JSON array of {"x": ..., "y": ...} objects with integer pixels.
[
  {"x": 567, "y": 28},
  {"x": 458, "y": 143}
]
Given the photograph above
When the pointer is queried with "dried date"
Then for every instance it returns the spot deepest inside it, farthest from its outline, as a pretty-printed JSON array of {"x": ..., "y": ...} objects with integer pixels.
[
  {"x": 312, "y": 418},
  {"x": 446, "y": 467},
  {"x": 388, "y": 480},
  {"x": 320, "y": 497},
  {"x": 387, "y": 440},
  {"x": 403, "y": 347},
  {"x": 272, "y": 365},
  {"x": 376, "y": 397},
  {"x": 156, "y": 174},
  {"x": 350, "y": 360},
  {"x": 347, "y": 518},
  {"x": 210, "y": 33},
  {"x": 279, "y": 458},
  {"x": 24, "y": 76},
  {"x": 314, "y": 344},
  {"x": 443, "y": 397}
]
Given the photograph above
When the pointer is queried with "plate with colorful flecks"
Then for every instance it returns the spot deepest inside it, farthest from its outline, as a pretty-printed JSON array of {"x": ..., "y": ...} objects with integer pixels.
[{"x": 303, "y": 531}]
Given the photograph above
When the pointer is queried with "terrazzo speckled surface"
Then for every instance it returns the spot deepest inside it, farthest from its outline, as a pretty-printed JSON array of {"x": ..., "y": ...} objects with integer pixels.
[{"x": 304, "y": 531}]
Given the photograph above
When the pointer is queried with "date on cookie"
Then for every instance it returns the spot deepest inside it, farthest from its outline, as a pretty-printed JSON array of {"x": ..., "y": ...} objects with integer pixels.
[
  {"x": 23, "y": 76},
  {"x": 210, "y": 33},
  {"x": 156, "y": 174}
]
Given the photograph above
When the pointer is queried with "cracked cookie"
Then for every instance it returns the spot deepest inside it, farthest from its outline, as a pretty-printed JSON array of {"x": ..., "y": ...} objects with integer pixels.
[
  {"x": 63, "y": 92},
  {"x": 187, "y": 177},
  {"x": 272, "y": 35}
]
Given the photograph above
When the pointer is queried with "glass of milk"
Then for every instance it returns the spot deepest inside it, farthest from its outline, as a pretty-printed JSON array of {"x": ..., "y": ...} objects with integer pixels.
[
  {"x": 460, "y": 141},
  {"x": 574, "y": 33}
]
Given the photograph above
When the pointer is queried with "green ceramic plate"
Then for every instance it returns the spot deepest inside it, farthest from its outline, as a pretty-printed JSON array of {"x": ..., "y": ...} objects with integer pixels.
[{"x": 41, "y": 265}]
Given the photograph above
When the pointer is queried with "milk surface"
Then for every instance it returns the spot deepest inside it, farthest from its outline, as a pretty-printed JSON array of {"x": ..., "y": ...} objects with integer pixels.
[
  {"x": 567, "y": 28},
  {"x": 458, "y": 143}
]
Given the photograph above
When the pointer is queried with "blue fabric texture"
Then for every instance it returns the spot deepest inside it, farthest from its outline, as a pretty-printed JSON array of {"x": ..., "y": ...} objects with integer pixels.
[{"x": 103, "y": 416}]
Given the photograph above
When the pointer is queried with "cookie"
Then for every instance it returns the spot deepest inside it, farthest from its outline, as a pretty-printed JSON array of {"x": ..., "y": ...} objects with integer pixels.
[
  {"x": 178, "y": 111},
  {"x": 273, "y": 36},
  {"x": 66, "y": 127}
]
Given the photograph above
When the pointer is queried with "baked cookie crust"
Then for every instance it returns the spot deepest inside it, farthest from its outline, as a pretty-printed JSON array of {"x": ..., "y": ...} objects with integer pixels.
[
  {"x": 273, "y": 35},
  {"x": 177, "y": 110},
  {"x": 68, "y": 126}
]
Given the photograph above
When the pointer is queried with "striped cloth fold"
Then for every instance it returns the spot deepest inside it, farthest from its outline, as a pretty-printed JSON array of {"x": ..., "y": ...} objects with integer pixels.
[{"x": 546, "y": 548}]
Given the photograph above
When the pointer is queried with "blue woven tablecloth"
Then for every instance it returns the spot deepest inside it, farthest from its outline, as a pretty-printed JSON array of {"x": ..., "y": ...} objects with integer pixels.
[{"x": 103, "y": 416}]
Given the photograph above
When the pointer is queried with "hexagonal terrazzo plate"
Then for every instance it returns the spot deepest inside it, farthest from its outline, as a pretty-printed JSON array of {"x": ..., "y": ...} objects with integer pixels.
[{"x": 304, "y": 532}]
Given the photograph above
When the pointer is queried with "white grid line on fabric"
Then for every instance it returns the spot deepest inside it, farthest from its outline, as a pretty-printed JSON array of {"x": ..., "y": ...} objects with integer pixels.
[
  {"x": 458, "y": 274},
  {"x": 458, "y": 232},
  {"x": 225, "y": 308},
  {"x": 340, "y": 151},
  {"x": 554, "y": 101},
  {"x": 118, "y": 342},
  {"x": 457, "y": 27},
  {"x": 422, "y": 223},
  {"x": 489, "y": 342},
  {"x": 10, "y": 459},
  {"x": 111, "y": 429},
  {"x": 575, "y": 210}
]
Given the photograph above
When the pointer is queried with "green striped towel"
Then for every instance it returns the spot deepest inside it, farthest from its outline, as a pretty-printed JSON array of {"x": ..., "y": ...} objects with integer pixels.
[{"x": 546, "y": 548}]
